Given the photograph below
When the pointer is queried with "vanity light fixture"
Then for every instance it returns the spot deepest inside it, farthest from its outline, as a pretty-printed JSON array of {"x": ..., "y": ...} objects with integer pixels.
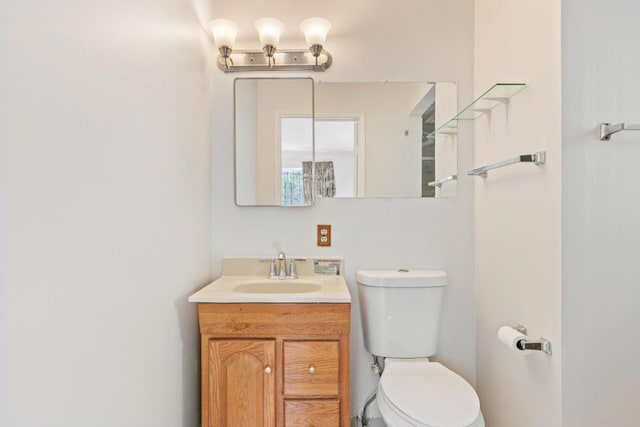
[
  {"x": 269, "y": 30},
  {"x": 315, "y": 58},
  {"x": 224, "y": 34},
  {"x": 315, "y": 34}
]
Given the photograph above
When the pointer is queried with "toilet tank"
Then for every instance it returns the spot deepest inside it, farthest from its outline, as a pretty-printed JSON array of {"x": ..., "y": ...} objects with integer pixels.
[{"x": 400, "y": 311}]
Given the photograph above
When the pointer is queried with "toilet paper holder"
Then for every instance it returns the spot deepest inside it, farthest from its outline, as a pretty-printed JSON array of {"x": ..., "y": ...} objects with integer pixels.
[{"x": 543, "y": 345}]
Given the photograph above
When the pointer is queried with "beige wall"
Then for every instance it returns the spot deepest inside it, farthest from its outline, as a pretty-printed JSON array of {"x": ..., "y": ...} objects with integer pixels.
[
  {"x": 517, "y": 212},
  {"x": 105, "y": 212}
]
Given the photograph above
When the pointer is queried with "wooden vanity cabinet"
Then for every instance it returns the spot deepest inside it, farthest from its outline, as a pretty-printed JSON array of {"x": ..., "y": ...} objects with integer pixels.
[{"x": 268, "y": 364}]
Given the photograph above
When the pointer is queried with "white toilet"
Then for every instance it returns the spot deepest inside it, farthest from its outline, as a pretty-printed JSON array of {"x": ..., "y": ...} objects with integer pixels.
[{"x": 400, "y": 319}]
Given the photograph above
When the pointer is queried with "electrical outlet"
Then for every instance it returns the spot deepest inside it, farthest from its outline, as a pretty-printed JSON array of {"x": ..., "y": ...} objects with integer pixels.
[{"x": 324, "y": 235}]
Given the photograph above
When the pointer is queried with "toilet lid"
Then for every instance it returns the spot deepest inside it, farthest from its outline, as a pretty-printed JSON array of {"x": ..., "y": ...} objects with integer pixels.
[{"x": 430, "y": 393}]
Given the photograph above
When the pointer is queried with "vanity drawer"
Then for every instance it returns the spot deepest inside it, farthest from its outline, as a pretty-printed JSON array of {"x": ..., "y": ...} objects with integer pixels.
[
  {"x": 311, "y": 413},
  {"x": 311, "y": 368}
]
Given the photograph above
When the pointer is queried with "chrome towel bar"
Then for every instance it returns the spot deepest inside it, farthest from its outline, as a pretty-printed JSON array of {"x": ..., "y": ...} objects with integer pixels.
[
  {"x": 538, "y": 159},
  {"x": 607, "y": 129},
  {"x": 438, "y": 182}
]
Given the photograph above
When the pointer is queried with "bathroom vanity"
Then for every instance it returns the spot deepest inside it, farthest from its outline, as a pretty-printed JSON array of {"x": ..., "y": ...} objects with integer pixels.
[{"x": 275, "y": 353}]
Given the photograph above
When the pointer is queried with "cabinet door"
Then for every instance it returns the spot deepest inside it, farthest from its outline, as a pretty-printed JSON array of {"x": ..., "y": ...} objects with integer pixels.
[{"x": 242, "y": 383}]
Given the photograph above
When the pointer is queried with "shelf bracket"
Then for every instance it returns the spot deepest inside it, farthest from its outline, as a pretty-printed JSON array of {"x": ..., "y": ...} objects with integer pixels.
[
  {"x": 498, "y": 94},
  {"x": 607, "y": 129},
  {"x": 438, "y": 182}
]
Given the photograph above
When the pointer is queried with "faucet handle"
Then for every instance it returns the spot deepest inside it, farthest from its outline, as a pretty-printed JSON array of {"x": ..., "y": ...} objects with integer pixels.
[
  {"x": 292, "y": 269},
  {"x": 272, "y": 269}
]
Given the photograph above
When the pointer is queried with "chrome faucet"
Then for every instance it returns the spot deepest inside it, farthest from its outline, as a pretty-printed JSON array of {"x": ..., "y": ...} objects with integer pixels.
[
  {"x": 281, "y": 271},
  {"x": 282, "y": 266}
]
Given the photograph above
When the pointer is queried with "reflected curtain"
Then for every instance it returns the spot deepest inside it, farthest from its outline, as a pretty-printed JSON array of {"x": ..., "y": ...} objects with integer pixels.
[
  {"x": 293, "y": 193},
  {"x": 325, "y": 185}
]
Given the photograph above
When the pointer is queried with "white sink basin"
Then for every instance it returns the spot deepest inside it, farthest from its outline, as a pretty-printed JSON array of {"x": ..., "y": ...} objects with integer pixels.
[
  {"x": 252, "y": 288},
  {"x": 277, "y": 287}
]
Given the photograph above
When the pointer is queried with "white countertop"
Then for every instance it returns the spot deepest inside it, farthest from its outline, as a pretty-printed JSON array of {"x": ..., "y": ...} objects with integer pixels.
[{"x": 332, "y": 289}]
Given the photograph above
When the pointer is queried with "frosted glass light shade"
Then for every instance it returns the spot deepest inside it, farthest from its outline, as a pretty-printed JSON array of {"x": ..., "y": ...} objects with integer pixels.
[
  {"x": 269, "y": 30},
  {"x": 224, "y": 32},
  {"x": 315, "y": 30}
]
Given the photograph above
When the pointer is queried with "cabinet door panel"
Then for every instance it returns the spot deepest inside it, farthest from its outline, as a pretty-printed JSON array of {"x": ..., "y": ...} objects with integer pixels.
[
  {"x": 311, "y": 368},
  {"x": 242, "y": 383}
]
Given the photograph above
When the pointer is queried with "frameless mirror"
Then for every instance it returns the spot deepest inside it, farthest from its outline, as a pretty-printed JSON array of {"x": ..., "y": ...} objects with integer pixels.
[
  {"x": 273, "y": 141},
  {"x": 379, "y": 139},
  {"x": 296, "y": 141}
]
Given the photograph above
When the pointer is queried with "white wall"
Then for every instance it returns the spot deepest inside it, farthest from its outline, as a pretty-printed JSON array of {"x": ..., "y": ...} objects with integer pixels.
[
  {"x": 601, "y": 232},
  {"x": 517, "y": 223},
  {"x": 400, "y": 40},
  {"x": 105, "y": 223}
]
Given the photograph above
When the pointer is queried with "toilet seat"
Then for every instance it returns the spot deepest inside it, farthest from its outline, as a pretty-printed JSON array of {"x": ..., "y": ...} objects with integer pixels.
[{"x": 427, "y": 394}]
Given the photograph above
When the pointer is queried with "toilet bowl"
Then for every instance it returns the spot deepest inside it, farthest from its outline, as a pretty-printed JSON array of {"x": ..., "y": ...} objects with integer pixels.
[
  {"x": 417, "y": 392},
  {"x": 400, "y": 313}
]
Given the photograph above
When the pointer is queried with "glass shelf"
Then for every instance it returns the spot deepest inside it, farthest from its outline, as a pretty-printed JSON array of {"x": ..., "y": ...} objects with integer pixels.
[{"x": 497, "y": 94}]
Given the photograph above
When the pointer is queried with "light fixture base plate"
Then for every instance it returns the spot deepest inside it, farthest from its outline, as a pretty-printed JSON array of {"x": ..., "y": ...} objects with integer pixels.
[{"x": 285, "y": 60}]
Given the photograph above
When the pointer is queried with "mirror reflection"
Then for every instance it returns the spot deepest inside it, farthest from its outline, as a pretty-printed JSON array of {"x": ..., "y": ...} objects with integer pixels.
[
  {"x": 273, "y": 141},
  {"x": 295, "y": 144},
  {"x": 379, "y": 137}
]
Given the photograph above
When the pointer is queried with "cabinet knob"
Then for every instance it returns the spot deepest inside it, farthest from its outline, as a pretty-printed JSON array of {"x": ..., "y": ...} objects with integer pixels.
[
  {"x": 267, "y": 370},
  {"x": 312, "y": 369}
]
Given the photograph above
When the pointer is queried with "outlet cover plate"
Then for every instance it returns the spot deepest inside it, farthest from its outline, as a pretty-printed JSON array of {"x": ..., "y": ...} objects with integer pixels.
[{"x": 324, "y": 235}]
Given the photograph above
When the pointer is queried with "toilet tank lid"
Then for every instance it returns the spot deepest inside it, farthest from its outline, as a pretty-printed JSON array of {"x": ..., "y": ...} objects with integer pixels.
[{"x": 402, "y": 278}]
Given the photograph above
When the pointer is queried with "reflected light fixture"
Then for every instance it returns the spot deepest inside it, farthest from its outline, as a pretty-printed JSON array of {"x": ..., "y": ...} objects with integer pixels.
[{"x": 315, "y": 58}]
